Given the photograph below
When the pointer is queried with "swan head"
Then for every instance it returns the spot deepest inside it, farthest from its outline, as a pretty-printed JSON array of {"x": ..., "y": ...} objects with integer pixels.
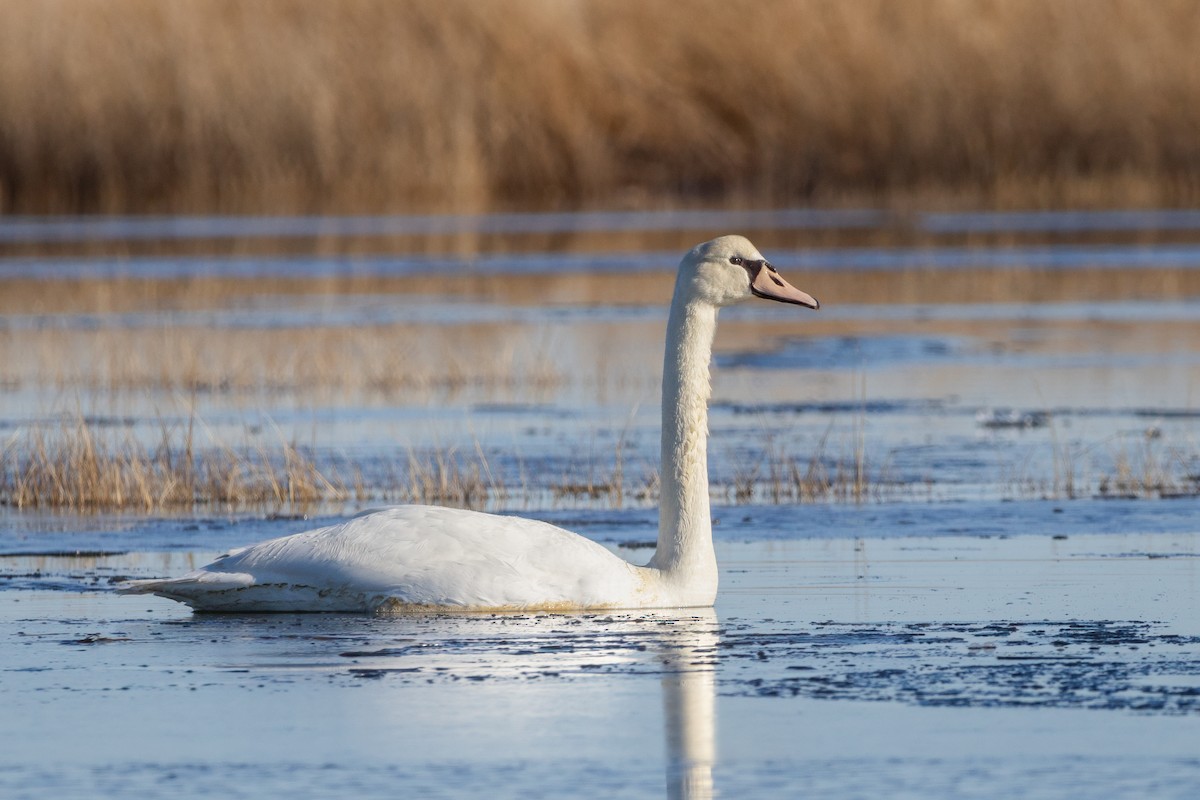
[{"x": 729, "y": 269}]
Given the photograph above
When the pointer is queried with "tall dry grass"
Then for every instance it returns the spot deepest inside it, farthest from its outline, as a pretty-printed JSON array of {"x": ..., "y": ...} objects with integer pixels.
[
  {"x": 85, "y": 466},
  {"x": 1124, "y": 467},
  {"x": 372, "y": 105},
  {"x": 81, "y": 466}
]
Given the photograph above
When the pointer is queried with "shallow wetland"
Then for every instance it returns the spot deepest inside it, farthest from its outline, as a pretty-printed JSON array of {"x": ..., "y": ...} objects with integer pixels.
[{"x": 956, "y": 509}]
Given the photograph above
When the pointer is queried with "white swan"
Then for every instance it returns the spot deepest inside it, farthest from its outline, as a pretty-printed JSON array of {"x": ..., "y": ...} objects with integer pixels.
[{"x": 412, "y": 558}]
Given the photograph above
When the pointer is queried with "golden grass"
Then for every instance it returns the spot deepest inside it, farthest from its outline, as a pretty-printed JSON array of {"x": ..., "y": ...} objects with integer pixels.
[
  {"x": 82, "y": 467},
  {"x": 842, "y": 474},
  {"x": 1148, "y": 468},
  {"x": 447, "y": 478},
  {"x": 368, "y": 105},
  {"x": 1135, "y": 468}
]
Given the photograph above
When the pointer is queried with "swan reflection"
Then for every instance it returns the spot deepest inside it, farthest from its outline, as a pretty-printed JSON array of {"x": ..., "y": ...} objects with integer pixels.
[{"x": 689, "y": 706}]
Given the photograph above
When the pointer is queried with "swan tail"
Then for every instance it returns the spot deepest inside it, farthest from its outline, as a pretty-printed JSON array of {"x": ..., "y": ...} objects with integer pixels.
[
  {"x": 190, "y": 586},
  {"x": 240, "y": 593}
]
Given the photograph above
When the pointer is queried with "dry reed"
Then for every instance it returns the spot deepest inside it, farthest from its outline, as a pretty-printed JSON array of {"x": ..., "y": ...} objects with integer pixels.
[
  {"x": 367, "y": 105},
  {"x": 443, "y": 478},
  {"x": 85, "y": 466},
  {"x": 1148, "y": 468},
  {"x": 848, "y": 475},
  {"x": 80, "y": 466},
  {"x": 1122, "y": 468}
]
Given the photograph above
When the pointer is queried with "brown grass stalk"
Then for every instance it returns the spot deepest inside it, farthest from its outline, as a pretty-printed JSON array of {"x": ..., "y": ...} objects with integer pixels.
[
  {"x": 1148, "y": 468},
  {"x": 849, "y": 476}
]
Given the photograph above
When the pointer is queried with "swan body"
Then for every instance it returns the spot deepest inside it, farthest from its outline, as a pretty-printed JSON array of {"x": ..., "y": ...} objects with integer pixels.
[
  {"x": 417, "y": 557},
  {"x": 421, "y": 558}
]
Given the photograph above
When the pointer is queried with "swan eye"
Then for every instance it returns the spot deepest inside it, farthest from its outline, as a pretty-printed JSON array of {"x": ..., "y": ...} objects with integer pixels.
[{"x": 738, "y": 260}]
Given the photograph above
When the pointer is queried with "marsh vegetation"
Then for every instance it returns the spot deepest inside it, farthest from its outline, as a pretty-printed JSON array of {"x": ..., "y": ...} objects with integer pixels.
[
  {"x": 531, "y": 381},
  {"x": 370, "y": 106},
  {"x": 88, "y": 466}
]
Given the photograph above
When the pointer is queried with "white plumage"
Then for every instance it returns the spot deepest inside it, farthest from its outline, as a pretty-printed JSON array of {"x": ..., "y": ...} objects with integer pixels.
[
  {"x": 412, "y": 556},
  {"x": 416, "y": 558}
]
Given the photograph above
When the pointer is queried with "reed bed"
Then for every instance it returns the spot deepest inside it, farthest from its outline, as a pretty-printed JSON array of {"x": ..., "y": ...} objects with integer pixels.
[
  {"x": 87, "y": 467},
  {"x": 368, "y": 105},
  {"x": 83, "y": 467},
  {"x": 445, "y": 477},
  {"x": 1124, "y": 467},
  {"x": 1148, "y": 471}
]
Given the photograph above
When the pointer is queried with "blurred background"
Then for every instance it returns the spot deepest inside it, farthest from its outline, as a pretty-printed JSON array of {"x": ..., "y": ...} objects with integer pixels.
[{"x": 370, "y": 106}]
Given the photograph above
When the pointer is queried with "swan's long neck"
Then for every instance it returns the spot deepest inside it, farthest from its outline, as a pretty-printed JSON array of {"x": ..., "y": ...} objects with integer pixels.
[{"x": 685, "y": 549}]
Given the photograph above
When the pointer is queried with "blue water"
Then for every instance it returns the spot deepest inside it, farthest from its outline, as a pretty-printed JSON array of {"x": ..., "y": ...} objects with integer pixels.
[
  {"x": 39, "y": 229},
  {"x": 76, "y": 229},
  {"x": 847, "y": 667},
  {"x": 1042, "y": 257},
  {"x": 49, "y": 534},
  {"x": 991, "y": 618}
]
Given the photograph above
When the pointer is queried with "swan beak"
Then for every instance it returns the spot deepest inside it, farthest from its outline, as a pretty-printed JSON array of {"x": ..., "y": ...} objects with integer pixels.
[{"x": 768, "y": 284}]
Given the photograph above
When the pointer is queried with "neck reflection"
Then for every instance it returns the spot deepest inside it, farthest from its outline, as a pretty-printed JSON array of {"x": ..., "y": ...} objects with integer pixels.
[{"x": 689, "y": 706}]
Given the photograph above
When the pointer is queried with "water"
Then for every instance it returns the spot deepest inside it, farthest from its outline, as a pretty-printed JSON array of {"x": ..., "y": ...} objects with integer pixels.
[
  {"x": 57, "y": 229},
  {"x": 1010, "y": 609},
  {"x": 123, "y": 229},
  {"x": 847, "y": 667}
]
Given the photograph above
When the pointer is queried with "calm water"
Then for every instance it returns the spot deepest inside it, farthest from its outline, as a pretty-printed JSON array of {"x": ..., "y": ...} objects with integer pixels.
[
  {"x": 1011, "y": 612},
  {"x": 916, "y": 667}
]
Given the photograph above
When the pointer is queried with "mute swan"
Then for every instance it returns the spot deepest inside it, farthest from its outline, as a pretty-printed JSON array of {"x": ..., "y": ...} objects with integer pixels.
[{"x": 413, "y": 558}]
